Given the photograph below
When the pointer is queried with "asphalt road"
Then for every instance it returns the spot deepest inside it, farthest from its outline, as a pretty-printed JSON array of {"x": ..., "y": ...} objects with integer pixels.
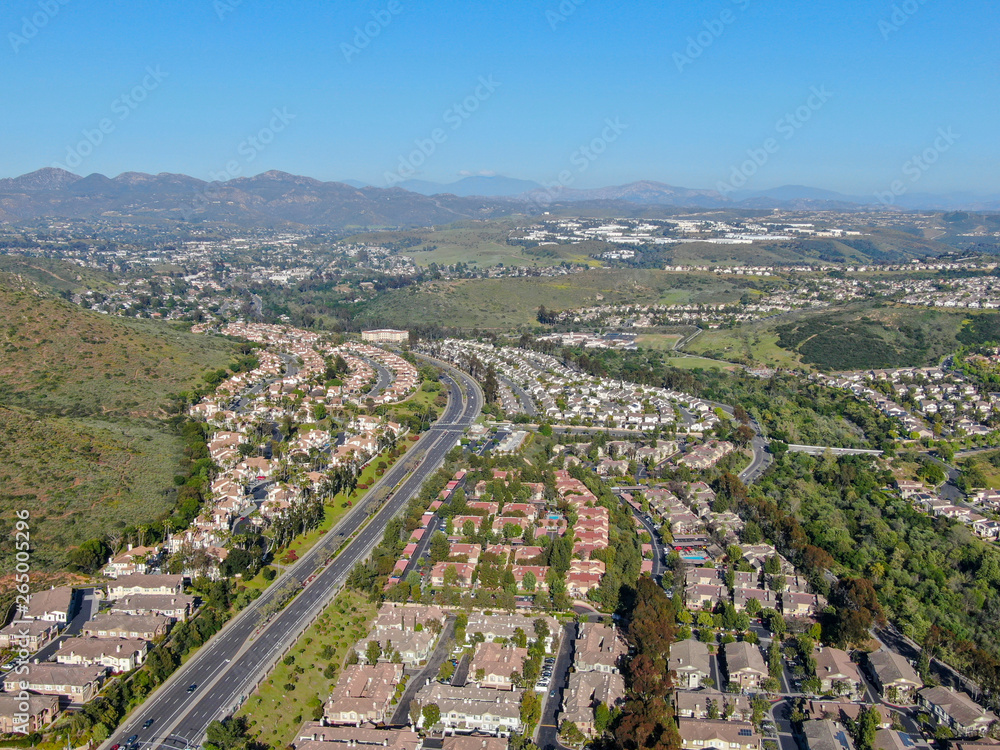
[
  {"x": 547, "y": 734},
  {"x": 657, "y": 542},
  {"x": 761, "y": 460},
  {"x": 384, "y": 377},
  {"x": 226, "y": 670},
  {"x": 527, "y": 403}
]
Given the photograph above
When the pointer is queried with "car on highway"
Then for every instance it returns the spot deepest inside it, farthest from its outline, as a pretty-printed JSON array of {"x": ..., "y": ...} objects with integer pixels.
[
  {"x": 148, "y": 723},
  {"x": 131, "y": 739},
  {"x": 192, "y": 687},
  {"x": 116, "y": 746}
]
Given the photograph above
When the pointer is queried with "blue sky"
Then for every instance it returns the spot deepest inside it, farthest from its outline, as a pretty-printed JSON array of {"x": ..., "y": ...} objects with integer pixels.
[{"x": 697, "y": 89}]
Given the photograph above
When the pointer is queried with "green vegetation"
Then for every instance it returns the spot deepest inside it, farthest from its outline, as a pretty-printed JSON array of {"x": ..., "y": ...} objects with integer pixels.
[
  {"x": 85, "y": 405},
  {"x": 60, "y": 359},
  {"x": 81, "y": 479},
  {"x": 273, "y": 713},
  {"x": 931, "y": 576},
  {"x": 871, "y": 337},
  {"x": 514, "y": 302}
]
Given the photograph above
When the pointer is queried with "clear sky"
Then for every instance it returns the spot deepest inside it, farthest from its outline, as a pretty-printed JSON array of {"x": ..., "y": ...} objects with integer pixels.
[{"x": 691, "y": 86}]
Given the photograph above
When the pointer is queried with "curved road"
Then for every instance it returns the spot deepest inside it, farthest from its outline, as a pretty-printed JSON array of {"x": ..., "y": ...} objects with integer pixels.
[{"x": 228, "y": 668}]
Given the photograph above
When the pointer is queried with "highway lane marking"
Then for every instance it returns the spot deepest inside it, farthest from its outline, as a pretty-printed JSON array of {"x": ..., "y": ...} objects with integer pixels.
[{"x": 234, "y": 638}]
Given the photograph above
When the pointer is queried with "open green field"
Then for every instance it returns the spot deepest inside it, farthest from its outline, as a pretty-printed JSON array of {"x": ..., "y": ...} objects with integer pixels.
[
  {"x": 750, "y": 344},
  {"x": 661, "y": 341},
  {"x": 295, "y": 692},
  {"x": 696, "y": 363},
  {"x": 513, "y": 302}
]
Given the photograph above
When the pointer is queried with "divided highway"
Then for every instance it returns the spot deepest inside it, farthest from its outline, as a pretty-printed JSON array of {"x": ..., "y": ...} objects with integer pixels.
[{"x": 224, "y": 672}]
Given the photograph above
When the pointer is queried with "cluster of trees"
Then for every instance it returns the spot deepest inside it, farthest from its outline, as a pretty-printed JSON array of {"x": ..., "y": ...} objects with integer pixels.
[
  {"x": 650, "y": 626},
  {"x": 930, "y": 576}
]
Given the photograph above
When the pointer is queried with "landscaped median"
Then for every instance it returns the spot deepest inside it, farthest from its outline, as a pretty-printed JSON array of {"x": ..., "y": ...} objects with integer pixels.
[{"x": 297, "y": 687}]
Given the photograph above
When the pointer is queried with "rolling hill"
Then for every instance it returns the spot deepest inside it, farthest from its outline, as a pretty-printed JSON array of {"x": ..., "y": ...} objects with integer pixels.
[{"x": 84, "y": 402}]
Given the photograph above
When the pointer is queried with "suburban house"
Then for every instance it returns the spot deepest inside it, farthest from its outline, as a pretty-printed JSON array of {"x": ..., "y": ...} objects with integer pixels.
[
  {"x": 27, "y": 634},
  {"x": 598, "y": 648},
  {"x": 586, "y": 691},
  {"x": 473, "y": 742},
  {"x": 690, "y": 663},
  {"x": 410, "y": 630},
  {"x": 468, "y": 709},
  {"x": 51, "y": 605},
  {"x": 362, "y": 694},
  {"x": 504, "y": 626},
  {"x": 896, "y": 680},
  {"x": 745, "y": 666},
  {"x": 313, "y": 735},
  {"x": 177, "y": 607},
  {"x": 890, "y": 739},
  {"x": 118, "y": 655},
  {"x": 27, "y": 715},
  {"x": 72, "y": 683},
  {"x": 699, "y": 704},
  {"x": 843, "y": 712},
  {"x": 714, "y": 733},
  {"x": 826, "y": 734},
  {"x": 141, "y": 583},
  {"x": 146, "y": 627},
  {"x": 838, "y": 674},
  {"x": 957, "y": 711},
  {"x": 493, "y": 664}
]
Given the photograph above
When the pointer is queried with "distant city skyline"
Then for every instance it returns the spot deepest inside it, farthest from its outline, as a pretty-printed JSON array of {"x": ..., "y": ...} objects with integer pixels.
[{"x": 883, "y": 98}]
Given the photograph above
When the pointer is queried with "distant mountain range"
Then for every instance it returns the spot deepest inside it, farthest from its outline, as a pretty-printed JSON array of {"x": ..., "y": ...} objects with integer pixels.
[{"x": 276, "y": 198}]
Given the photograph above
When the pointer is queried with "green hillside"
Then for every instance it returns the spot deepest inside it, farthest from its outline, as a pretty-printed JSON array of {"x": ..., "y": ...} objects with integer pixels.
[
  {"x": 858, "y": 337},
  {"x": 59, "y": 359},
  {"x": 84, "y": 400}
]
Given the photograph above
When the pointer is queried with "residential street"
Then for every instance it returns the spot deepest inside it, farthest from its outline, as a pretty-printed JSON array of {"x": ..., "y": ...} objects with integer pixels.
[{"x": 547, "y": 734}]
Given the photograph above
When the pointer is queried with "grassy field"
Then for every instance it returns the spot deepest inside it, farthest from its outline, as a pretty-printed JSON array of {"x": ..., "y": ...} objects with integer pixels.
[
  {"x": 751, "y": 344},
  {"x": 472, "y": 242},
  {"x": 662, "y": 341},
  {"x": 513, "y": 302},
  {"x": 694, "y": 363},
  {"x": 294, "y": 693}
]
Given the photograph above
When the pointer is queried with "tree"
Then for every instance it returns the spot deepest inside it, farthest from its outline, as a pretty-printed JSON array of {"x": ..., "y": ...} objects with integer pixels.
[
  {"x": 432, "y": 715},
  {"x": 602, "y": 718},
  {"x": 865, "y": 728},
  {"x": 90, "y": 556},
  {"x": 531, "y": 711},
  {"x": 372, "y": 652},
  {"x": 227, "y": 734},
  {"x": 440, "y": 548},
  {"x": 529, "y": 582}
]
